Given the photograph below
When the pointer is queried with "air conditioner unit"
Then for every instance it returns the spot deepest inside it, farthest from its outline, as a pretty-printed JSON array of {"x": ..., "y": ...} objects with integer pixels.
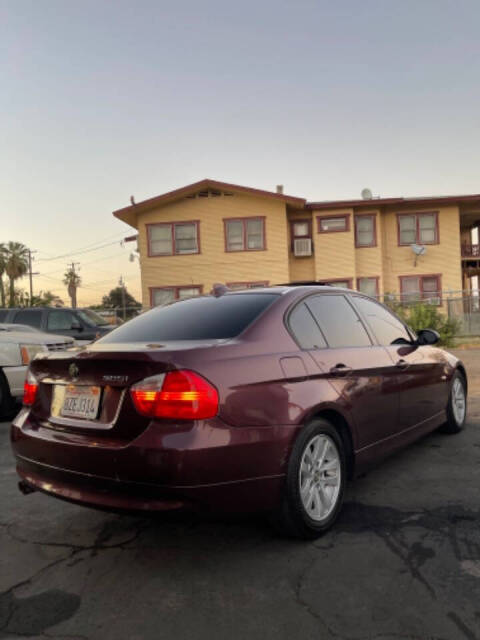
[
  {"x": 433, "y": 301},
  {"x": 302, "y": 247}
]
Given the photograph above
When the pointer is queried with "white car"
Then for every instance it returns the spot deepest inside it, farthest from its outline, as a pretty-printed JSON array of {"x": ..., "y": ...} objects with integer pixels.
[{"x": 17, "y": 347}]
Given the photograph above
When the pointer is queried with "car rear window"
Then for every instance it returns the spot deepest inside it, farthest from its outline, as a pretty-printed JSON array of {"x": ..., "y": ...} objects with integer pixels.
[{"x": 194, "y": 319}]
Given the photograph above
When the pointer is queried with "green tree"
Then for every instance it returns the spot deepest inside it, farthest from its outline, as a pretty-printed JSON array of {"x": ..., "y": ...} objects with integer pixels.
[
  {"x": 73, "y": 281},
  {"x": 421, "y": 315},
  {"x": 16, "y": 265},
  {"x": 46, "y": 299},
  {"x": 115, "y": 300}
]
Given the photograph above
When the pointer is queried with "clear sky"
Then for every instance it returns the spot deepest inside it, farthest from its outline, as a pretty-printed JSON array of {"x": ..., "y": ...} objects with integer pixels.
[{"x": 101, "y": 99}]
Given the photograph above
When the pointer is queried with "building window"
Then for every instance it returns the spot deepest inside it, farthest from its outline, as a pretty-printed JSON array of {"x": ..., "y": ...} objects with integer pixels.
[
  {"x": 365, "y": 231},
  {"x": 416, "y": 288},
  {"x": 244, "y": 234},
  {"x": 172, "y": 238},
  {"x": 300, "y": 230},
  {"x": 164, "y": 295},
  {"x": 418, "y": 228},
  {"x": 343, "y": 283},
  {"x": 368, "y": 286},
  {"x": 247, "y": 285},
  {"x": 330, "y": 224}
]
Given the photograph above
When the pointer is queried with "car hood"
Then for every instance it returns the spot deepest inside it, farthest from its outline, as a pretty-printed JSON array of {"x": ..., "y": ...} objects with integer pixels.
[{"x": 33, "y": 338}]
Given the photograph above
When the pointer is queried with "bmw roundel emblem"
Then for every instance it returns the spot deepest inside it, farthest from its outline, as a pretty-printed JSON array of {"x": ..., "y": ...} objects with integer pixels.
[{"x": 73, "y": 370}]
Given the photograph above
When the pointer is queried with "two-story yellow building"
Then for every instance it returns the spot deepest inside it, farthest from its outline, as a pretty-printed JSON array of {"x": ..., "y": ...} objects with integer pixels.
[{"x": 212, "y": 232}]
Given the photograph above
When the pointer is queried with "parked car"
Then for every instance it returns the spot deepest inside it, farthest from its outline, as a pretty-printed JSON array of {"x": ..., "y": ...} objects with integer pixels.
[
  {"x": 83, "y": 325},
  {"x": 18, "y": 345},
  {"x": 24, "y": 328},
  {"x": 264, "y": 399}
]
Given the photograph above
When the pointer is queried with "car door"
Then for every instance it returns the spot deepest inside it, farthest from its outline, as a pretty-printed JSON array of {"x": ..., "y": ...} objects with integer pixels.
[
  {"x": 62, "y": 322},
  {"x": 421, "y": 370},
  {"x": 359, "y": 370}
]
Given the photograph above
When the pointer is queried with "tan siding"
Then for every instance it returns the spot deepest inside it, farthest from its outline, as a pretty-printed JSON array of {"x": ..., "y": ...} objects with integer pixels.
[
  {"x": 443, "y": 258},
  {"x": 300, "y": 268},
  {"x": 214, "y": 264},
  {"x": 334, "y": 252},
  {"x": 335, "y": 255},
  {"x": 368, "y": 260}
]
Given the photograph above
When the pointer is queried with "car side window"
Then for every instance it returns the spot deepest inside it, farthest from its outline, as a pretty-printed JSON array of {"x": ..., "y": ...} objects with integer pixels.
[
  {"x": 32, "y": 318},
  {"x": 60, "y": 320},
  {"x": 338, "y": 321},
  {"x": 386, "y": 327},
  {"x": 3, "y": 314},
  {"x": 305, "y": 329}
]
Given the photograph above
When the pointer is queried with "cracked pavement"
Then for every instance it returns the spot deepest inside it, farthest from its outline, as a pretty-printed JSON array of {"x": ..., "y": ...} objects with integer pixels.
[{"x": 403, "y": 561}]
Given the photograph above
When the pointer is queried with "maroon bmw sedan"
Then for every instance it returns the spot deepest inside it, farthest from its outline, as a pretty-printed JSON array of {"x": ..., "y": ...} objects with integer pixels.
[{"x": 266, "y": 399}]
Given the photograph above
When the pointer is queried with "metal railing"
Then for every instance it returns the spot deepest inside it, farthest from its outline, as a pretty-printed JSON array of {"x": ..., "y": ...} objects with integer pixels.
[{"x": 470, "y": 250}]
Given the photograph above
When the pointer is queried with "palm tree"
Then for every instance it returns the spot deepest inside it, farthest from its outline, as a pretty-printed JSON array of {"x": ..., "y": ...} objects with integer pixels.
[
  {"x": 2, "y": 271},
  {"x": 16, "y": 265},
  {"x": 73, "y": 281}
]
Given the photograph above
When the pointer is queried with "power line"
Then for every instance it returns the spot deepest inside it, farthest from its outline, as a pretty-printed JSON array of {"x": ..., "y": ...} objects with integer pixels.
[
  {"x": 80, "y": 251},
  {"x": 86, "y": 246}
]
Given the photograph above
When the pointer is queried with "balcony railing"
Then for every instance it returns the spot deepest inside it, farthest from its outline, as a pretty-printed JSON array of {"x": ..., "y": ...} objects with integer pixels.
[{"x": 470, "y": 250}]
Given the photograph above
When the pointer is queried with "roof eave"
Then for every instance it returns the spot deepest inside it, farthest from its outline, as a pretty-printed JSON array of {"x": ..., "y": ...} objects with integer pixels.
[{"x": 129, "y": 214}]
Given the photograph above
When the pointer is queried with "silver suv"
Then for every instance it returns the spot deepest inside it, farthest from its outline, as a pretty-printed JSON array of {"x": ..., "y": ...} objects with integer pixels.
[{"x": 18, "y": 345}]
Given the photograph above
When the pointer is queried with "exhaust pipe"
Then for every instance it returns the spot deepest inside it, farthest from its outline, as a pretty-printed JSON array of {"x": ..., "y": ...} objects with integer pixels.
[{"x": 25, "y": 488}]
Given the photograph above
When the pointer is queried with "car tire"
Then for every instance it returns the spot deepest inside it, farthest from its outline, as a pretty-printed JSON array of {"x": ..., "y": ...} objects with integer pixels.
[
  {"x": 457, "y": 405},
  {"x": 315, "y": 482},
  {"x": 6, "y": 400}
]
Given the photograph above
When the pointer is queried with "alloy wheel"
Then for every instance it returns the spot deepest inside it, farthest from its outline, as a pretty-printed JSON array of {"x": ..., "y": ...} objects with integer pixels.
[
  {"x": 320, "y": 477},
  {"x": 458, "y": 401}
]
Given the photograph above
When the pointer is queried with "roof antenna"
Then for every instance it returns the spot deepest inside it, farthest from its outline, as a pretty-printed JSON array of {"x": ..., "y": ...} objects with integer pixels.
[
  {"x": 132, "y": 200},
  {"x": 219, "y": 289}
]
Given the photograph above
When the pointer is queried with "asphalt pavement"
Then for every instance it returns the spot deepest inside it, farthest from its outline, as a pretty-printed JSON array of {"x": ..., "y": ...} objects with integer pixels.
[{"x": 402, "y": 562}]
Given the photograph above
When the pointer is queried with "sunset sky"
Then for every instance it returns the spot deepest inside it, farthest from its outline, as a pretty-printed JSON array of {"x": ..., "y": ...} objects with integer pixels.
[{"x": 101, "y": 99}]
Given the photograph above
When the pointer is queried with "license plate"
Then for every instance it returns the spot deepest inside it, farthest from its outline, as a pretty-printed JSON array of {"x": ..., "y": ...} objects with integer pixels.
[{"x": 80, "y": 402}]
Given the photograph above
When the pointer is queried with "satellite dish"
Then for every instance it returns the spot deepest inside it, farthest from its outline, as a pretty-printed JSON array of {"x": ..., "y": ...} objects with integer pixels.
[
  {"x": 366, "y": 194},
  {"x": 418, "y": 250}
]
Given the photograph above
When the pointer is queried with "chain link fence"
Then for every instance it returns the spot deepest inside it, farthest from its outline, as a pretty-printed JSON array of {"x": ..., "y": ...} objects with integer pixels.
[{"x": 462, "y": 306}]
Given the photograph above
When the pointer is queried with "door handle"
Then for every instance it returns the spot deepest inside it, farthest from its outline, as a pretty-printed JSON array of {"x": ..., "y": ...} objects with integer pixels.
[
  {"x": 340, "y": 369},
  {"x": 402, "y": 364}
]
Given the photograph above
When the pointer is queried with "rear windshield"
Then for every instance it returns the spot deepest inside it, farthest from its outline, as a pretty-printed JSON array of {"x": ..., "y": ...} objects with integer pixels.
[{"x": 194, "y": 319}]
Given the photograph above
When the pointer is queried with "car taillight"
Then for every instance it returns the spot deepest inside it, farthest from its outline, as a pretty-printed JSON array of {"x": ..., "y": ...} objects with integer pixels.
[
  {"x": 179, "y": 395},
  {"x": 30, "y": 388}
]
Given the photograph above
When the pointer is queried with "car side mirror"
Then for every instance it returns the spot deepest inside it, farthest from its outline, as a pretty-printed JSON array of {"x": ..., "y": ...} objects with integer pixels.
[
  {"x": 76, "y": 326},
  {"x": 427, "y": 336}
]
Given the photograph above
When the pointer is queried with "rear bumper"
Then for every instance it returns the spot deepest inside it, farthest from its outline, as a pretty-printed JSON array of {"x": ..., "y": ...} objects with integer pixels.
[{"x": 205, "y": 465}]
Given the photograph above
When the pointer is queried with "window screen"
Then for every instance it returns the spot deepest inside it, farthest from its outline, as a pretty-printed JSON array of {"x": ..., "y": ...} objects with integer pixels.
[{"x": 160, "y": 238}]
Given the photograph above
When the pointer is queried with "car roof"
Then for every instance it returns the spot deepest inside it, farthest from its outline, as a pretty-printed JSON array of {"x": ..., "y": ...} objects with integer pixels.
[{"x": 287, "y": 288}]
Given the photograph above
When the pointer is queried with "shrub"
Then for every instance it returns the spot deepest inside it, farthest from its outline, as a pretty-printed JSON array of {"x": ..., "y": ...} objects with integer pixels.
[{"x": 420, "y": 315}]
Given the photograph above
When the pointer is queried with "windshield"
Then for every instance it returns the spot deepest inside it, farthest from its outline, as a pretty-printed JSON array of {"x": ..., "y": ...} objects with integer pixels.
[
  {"x": 91, "y": 318},
  {"x": 201, "y": 318}
]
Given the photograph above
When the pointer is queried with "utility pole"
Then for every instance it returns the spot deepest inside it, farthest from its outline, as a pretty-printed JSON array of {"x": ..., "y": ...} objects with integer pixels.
[
  {"x": 121, "y": 282},
  {"x": 72, "y": 285},
  {"x": 30, "y": 273}
]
